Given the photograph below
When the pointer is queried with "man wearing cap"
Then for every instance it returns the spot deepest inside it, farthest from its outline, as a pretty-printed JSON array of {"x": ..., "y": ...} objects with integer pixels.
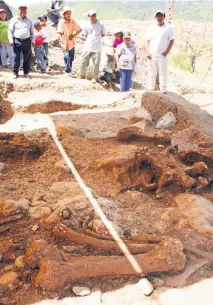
[
  {"x": 94, "y": 31},
  {"x": 5, "y": 47},
  {"x": 68, "y": 28},
  {"x": 159, "y": 42},
  {"x": 21, "y": 38},
  {"x": 54, "y": 9}
]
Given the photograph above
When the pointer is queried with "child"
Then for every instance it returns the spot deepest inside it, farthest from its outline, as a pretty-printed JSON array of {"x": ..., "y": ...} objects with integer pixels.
[
  {"x": 126, "y": 60},
  {"x": 68, "y": 28},
  {"x": 118, "y": 38},
  {"x": 6, "y": 48},
  {"x": 108, "y": 66},
  {"x": 39, "y": 49},
  {"x": 48, "y": 32}
]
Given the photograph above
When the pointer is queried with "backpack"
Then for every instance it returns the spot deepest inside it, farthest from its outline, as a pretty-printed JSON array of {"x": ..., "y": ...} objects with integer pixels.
[{"x": 39, "y": 40}]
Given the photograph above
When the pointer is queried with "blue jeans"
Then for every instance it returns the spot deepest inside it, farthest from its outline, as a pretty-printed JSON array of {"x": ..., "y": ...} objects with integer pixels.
[
  {"x": 125, "y": 80},
  {"x": 68, "y": 59},
  {"x": 40, "y": 58},
  {"x": 46, "y": 50},
  {"x": 54, "y": 17},
  {"x": 23, "y": 46},
  {"x": 6, "y": 49}
]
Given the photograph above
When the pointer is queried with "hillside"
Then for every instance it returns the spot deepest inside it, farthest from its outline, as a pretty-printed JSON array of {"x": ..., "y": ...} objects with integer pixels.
[{"x": 137, "y": 10}]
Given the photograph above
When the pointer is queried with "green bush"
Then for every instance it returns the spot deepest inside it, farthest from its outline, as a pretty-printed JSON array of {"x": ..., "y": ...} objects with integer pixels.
[{"x": 180, "y": 61}]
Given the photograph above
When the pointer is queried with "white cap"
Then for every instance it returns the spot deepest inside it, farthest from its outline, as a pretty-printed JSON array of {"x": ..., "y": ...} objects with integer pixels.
[
  {"x": 160, "y": 12},
  {"x": 22, "y": 6},
  {"x": 91, "y": 13}
]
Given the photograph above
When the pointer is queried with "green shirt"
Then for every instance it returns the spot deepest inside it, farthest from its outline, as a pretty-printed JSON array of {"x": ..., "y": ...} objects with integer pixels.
[{"x": 4, "y": 31}]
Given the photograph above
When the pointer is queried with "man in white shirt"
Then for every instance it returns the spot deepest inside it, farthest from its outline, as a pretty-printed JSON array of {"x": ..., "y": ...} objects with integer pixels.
[
  {"x": 159, "y": 42},
  {"x": 94, "y": 31}
]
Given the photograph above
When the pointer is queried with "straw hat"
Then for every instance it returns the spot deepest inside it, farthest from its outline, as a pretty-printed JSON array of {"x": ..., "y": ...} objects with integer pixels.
[{"x": 66, "y": 9}]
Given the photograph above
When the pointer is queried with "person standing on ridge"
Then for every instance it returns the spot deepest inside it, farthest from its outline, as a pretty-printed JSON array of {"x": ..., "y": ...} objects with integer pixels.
[
  {"x": 159, "y": 42},
  {"x": 68, "y": 28},
  {"x": 5, "y": 47},
  {"x": 54, "y": 9},
  {"x": 94, "y": 31},
  {"x": 21, "y": 38}
]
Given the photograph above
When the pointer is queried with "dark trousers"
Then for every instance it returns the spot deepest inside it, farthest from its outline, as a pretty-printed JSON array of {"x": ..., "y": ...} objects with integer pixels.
[
  {"x": 68, "y": 59},
  {"x": 46, "y": 50},
  {"x": 23, "y": 46}
]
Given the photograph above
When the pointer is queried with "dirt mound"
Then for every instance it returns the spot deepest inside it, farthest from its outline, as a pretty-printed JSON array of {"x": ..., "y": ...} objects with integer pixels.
[{"x": 6, "y": 111}]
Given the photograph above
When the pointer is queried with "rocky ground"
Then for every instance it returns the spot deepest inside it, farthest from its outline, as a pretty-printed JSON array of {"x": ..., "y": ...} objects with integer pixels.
[{"x": 153, "y": 185}]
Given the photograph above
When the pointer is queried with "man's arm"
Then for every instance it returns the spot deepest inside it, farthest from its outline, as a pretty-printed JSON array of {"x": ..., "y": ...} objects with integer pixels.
[
  {"x": 147, "y": 47},
  {"x": 77, "y": 28},
  {"x": 32, "y": 35},
  {"x": 171, "y": 43},
  {"x": 10, "y": 32}
]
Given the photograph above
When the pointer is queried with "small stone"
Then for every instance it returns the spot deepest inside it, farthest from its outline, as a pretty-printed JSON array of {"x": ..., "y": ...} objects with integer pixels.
[
  {"x": 2, "y": 166},
  {"x": 37, "y": 203},
  {"x": 158, "y": 196},
  {"x": 1, "y": 258},
  {"x": 62, "y": 165},
  {"x": 81, "y": 291},
  {"x": 9, "y": 280},
  {"x": 35, "y": 228},
  {"x": 161, "y": 146},
  {"x": 39, "y": 212},
  {"x": 20, "y": 262},
  {"x": 145, "y": 286}
]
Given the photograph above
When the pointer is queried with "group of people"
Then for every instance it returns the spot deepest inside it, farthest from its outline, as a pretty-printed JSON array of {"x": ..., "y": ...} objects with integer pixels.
[{"x": 111, "y": 59}]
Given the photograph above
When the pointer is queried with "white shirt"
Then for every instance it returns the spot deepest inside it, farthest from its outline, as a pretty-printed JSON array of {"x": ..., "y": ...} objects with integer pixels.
[
  {"x": 48, "y": 33},
  {"x": 127, "y": 56},
  {"x": 21, "y": 29},
  {"x": 94, "y": 33},
  {"x": 159, "y": 37}
]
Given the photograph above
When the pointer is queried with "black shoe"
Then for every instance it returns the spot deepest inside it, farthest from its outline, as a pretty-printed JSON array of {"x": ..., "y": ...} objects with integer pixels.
[{"x": 15, "y": 75}]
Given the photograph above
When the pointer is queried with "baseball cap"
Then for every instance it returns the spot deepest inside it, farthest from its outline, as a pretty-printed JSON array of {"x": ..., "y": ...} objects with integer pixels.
[
  {"x": 22, "y": 6},
  {"x": 160, "y": 12},
  {"x": 43, "y": 17},
  {"x": 91, "y": 13},
  {"x": 36, "y": 23},
  {"x": 2, "y": 10},
  {"x": 127, "y": 35}
]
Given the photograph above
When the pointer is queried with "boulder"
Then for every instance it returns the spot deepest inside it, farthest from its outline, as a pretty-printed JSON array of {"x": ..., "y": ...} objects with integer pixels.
[
  {"x": 39, "y": 212},
  {"x": 198, "y": 211}
]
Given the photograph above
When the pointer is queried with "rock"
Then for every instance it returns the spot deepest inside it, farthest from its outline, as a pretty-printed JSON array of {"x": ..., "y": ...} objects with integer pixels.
[
  {"x": 62, "y": 187},
  {"x": 5, "y": 246},
  {"x": 39, "y": 212},
  {"x": 35, "y": 228},
  {"x": 20, "y": 262},
  {"x": 161, "y": 146},
  {"x": 81, "y": 291},
  {"x": 158, "y": 282},
  {"x": 62, "y": 165},
  {"x": 198, "y": 211},
  {"x": 66, "y": 213},
  {"x": 37, "y": 203},
  {"x": 24, "y": 204},
  {"x": 136, "y": 114},
  {"x": 2, "y": 166},
  {"x": 145, "y": 286},
  {"x": 1, "y": 258},
  {"x": 9, "y": 207},
  {"x": 80, "y": 206},
  {"x": 9, "y": 280},
  {"x": 8, "y": 268}
]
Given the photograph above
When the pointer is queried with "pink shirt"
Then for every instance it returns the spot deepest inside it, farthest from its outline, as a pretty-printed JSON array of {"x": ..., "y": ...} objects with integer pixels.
[{"x": 117, "y": 42}]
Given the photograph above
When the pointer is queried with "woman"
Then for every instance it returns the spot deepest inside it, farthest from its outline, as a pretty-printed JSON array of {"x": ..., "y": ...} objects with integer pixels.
[{"x": 126, "y": 60}]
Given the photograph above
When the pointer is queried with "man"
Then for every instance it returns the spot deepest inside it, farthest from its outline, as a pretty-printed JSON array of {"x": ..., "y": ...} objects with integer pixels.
[
  {"x": 94, "y": 31},
  {"x": 48, "y": 32},
  {"x": 6, "y": 49},
  {"x": 55, "y": 7},
  {"x": 21, "y": 38},
  {"x": 159, "y": 42},
  {"x": 68, "y": 28}
]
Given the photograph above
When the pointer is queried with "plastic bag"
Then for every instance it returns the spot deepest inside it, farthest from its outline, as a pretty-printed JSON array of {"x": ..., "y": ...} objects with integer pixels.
[{"x": 167, "y": 120}]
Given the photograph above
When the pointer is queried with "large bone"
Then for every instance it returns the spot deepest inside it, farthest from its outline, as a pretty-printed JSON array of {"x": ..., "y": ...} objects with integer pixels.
[
  {"x": 166, "y": 257},
  {"x": 109, "y": 246},
  {"x": 136, "y": 133}
]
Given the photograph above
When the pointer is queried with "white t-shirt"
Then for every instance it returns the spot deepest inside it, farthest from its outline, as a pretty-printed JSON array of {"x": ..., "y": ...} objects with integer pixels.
[
  {"x": 94, "y": 33},
  {"x": 48, "y": 32},
  {"x": 159, "y": 37}
]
